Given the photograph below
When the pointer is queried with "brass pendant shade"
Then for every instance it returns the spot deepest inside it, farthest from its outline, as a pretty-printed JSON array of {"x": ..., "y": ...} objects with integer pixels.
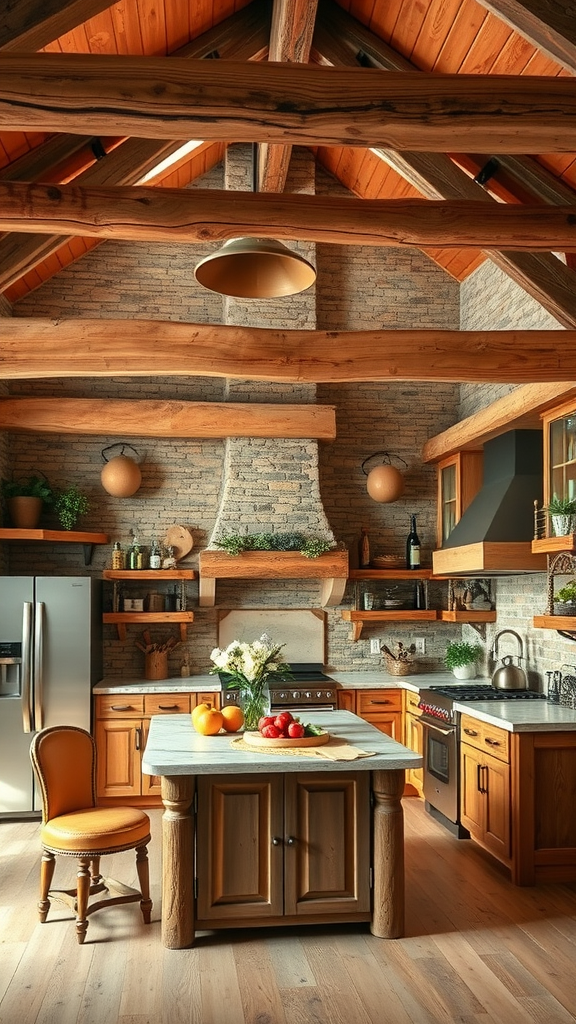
[{"x": 255, "y": 268}]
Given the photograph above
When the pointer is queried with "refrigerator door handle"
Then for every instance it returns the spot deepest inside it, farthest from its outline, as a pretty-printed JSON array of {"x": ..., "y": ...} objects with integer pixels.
[
  {"x": 38, "y": 666},
  {"x": 26, "y": 667}
]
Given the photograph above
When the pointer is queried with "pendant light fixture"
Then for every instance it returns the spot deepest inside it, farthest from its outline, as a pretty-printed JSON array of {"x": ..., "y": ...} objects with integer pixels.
[
  {"x": 385, "y": 483},
  {"x": 255, "y": 268},
  {"x": 121, "y": 475}
]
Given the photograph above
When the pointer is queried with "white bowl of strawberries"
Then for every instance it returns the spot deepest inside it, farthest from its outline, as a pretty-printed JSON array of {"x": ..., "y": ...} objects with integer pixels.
[{"x": 284, "y": 730}]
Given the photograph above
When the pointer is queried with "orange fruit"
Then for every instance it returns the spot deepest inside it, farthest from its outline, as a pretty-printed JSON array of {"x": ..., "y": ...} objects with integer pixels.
[
  {"x": 199, "y": 710},
  {"x": 233, "y": 718},
  {"x": 209, "y": 722}
]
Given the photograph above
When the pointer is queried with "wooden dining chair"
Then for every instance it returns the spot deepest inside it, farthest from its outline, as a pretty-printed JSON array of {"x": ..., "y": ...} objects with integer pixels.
[{"x": 64, "y": 759}]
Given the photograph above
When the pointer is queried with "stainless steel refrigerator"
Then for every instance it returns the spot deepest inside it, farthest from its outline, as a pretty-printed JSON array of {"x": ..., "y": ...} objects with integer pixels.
[{"x": 50, "y": 656}]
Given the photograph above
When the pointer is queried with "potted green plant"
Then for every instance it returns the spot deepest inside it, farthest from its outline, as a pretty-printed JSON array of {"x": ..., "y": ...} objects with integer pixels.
[
  {"x": 461, "y": 658},
  {"x": 565, "y": 600},
  {"x": 69, "y": 506},
  {"x": 562, "y": 512},
  {"x": 25, "y": 499}
]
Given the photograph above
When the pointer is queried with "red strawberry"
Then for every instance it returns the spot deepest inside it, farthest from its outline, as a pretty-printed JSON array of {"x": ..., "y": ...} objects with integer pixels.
[
  {"x": 265, "y": 720},
  {"x": 282, "y": 720}
]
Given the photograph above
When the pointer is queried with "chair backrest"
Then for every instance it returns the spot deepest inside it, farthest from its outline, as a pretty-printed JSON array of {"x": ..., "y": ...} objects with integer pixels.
[{"x": 64, "y": 759}]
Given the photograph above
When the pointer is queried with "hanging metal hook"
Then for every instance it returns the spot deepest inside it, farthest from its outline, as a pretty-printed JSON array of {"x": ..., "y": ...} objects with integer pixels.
[
  {"x": 123, "y": 444},
  {"x": 387, "y": 460}
]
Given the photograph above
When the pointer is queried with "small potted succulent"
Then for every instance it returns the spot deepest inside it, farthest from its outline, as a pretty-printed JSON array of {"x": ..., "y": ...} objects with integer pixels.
[
  {"x": 562, "y": 512},
  {"x": 25, "y": 500},
  {"x": 461, "y": 658},
  {"x": 69, "y": 506},
  {"x": 565, "y": 600}
]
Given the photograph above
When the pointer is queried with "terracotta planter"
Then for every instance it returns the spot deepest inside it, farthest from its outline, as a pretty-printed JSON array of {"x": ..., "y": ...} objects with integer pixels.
[{"x": 25, "y": 512}]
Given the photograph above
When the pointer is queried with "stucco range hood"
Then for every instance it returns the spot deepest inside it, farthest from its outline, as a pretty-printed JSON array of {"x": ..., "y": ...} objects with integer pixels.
[{"x": 494, "y": 535}]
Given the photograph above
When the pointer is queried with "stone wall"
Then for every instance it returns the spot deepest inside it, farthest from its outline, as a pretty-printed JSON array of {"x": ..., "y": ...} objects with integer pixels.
[{"x": 491, "y": 301}]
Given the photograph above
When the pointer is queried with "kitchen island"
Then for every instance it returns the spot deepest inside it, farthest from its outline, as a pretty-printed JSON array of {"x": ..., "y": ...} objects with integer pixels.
[{"x": 272, "y": 837}]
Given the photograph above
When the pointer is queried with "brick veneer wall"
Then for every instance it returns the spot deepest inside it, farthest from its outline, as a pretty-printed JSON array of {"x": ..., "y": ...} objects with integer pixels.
[{"x": 491, "y": 301}]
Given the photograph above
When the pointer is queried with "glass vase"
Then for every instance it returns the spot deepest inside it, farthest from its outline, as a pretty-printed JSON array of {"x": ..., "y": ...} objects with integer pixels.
[{"x": 255, "y": 702}]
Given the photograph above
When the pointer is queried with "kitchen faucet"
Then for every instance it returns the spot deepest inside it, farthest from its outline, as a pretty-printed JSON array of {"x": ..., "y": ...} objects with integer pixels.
[{"x": 494, "y": 651}]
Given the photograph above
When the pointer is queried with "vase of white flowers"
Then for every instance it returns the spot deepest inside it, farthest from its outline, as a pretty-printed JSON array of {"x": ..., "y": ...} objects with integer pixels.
[{"x": 248, "y": 668}]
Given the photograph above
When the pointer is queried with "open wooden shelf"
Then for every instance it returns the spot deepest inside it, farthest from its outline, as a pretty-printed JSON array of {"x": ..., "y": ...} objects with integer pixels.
[
  {"x": 467, "y": 616},
  {"x": 84, "y": 537},
  {"x": 358, "y": 618},
  {"x": 122, "y": 619},
  {"x": 390, "y": 574},
  {"x": 554, "y": 545},
  {"x": 158, "y": 575},
  {"x": 567, "y": 622},
  {"x": 331, "y": 568}
]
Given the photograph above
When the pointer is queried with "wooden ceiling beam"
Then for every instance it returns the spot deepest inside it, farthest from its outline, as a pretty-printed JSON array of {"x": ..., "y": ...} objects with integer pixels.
[
  {"x": 159, "y": 97},
  {"x": 290, "y": 41},
  {"x": 553, "y": 284},
  {"x": 244, "y": 35},
  {"x": 31, "y": 24},
  {"x": 549, "y": 25},
  {"x": 181, "y": 215},
  {"x": 129, "y": 418},
  {"x": 40, "y": 348}
]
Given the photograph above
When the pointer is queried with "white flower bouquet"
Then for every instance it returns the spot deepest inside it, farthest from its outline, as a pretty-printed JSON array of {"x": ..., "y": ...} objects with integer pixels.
[{"x": 248, "y": 667}]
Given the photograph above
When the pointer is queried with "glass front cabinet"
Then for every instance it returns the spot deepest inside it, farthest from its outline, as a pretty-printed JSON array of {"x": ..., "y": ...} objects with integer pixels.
[
  {"x": 560, "y": 452},
  {"x": 459, "y": 480}
]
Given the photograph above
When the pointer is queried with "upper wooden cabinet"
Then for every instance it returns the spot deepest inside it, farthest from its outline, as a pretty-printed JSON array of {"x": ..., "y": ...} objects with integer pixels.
[
  {"x": 560, "y": 451},
  {"x": 459, "y": 480}
]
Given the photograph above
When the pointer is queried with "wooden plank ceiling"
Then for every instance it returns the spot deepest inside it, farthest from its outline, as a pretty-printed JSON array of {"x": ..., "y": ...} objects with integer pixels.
[{"x": 449, "y": 37}]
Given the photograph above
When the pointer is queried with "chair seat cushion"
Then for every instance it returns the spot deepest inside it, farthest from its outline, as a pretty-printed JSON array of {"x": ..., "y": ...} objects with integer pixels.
[{"x": 97, "y": 830}]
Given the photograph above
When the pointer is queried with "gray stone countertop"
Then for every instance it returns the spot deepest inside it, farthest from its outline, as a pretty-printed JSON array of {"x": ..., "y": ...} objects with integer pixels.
[
  {"x": 179, "y": 684},
  {"x": 522, "y": 716},
  {"x": 174, "y": 748}
]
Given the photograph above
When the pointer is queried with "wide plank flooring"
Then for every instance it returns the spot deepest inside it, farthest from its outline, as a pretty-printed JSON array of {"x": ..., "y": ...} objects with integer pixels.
[{"x": 477, "y": 951}]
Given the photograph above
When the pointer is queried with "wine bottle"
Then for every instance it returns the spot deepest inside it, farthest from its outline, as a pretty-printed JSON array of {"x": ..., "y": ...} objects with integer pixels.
[
  {"x": 413, "y": 546},
  {"x": 364, "y": 549}
]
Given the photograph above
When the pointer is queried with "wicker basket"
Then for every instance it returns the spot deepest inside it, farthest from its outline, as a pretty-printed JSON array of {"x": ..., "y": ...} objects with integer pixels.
[{"x": 399, "y": 668}]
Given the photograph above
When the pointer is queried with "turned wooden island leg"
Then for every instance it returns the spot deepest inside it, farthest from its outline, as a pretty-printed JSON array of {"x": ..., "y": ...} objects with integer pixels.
[
  {"x": 177, "y": 861},
  {"x": 388, "y": 912}
]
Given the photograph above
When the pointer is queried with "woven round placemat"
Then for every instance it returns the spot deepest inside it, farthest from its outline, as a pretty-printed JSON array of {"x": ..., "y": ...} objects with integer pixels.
[{"x": 241, "y": 744}]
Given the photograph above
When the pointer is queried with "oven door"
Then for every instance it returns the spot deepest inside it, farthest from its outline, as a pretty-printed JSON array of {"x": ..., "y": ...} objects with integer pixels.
[{"x": 441, "y": 768}]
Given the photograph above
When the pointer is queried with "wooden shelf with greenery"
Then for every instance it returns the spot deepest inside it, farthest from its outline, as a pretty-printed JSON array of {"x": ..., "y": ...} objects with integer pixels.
[
  {"x": 84, "y": 537},
  {"x": 331, "y": 568},
  {"x": 358, "y": 618},
  {"x": 122, "y": 619}
]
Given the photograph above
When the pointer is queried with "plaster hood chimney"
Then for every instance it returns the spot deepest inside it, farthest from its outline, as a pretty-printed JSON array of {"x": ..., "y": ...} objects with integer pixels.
[{"x": 494, "y": 535}]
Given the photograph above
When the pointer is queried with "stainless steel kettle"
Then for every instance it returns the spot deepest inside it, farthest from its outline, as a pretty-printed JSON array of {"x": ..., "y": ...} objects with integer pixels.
[{"x": 509, "y": 676}]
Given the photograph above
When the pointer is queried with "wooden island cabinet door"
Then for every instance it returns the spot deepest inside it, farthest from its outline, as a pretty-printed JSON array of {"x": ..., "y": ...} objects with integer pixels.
[
  {"x": 327, "y": 844},
  {"x": 240, "y": 827}
]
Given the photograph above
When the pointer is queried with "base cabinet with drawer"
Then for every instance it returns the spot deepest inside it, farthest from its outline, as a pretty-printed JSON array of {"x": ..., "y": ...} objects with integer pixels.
[
  {"x": 383, "y": 709},
  {"x": 485, "y": 804},
  {"x": 414, "y": 739},
  {"x": 282, "y": 848},
  {"x": 120, "y": 731}
]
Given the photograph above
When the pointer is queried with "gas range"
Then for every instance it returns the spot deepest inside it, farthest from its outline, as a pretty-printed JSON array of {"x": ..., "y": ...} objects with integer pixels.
[
  {"x": 438, "y": 703},
  {"x": 309, "y": 686}
]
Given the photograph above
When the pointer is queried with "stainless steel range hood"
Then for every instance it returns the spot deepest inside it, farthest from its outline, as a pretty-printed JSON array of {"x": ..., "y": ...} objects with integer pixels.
[{"x": 495, "y": 533}]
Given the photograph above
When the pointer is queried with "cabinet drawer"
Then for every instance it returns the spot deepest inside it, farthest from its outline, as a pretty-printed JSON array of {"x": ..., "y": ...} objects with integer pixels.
[
  {"x": 411, "y": 701},
  {"x": 370, "y": 702},
  {"x": 166, "y": 703},
  {"x": 121, "y": 705},
  {"x": 483, "y": 736}
]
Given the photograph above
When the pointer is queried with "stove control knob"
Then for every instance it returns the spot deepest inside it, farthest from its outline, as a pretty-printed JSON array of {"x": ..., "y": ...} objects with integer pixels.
[
  {"x": 283, "y": 695},
  {"x": 318, "y": 693},
  {"x": 328, "y": 694},
  {"x": 308, "y": 695},
  {"x": 296, "y": 694}
]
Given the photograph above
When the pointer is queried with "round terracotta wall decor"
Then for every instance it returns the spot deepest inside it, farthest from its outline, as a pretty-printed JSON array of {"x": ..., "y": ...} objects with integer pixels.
[{"x": 121, "y": 476}]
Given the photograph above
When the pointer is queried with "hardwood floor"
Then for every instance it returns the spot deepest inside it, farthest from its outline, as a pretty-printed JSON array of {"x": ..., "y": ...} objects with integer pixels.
[{"x": 477, "y": 951}]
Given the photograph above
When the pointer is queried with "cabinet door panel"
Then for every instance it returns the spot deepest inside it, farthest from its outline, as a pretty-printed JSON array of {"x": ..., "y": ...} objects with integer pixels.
[
  {"x": 327, "y": 843},
  {"x": 471, "y": 799},
  {"x": 389, "y": 722},
  {"x": 239, "y": 869},
  {"x": 119, "y": 747},
  {"x": 414, "y": 739},
  {"x": 497, "y": 821}
]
